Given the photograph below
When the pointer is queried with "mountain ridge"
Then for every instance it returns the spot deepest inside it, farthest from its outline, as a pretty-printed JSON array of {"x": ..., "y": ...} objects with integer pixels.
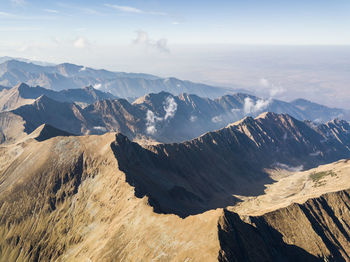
[
  {"x": 23, "y": 94},
  {"x": 160, "y": 117},
  {"x": 75, "y": 203},
  {"x": 120, "y": 84}
]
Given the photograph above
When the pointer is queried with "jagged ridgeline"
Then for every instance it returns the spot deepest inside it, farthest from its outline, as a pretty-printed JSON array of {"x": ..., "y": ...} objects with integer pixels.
[
  {"x": 160, "y": 117},
  {"x": 112, "y": 166},
  {"x": 105, "y": 198}
]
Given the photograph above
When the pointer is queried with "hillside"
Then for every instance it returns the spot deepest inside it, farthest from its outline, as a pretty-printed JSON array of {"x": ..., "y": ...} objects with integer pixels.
[
  {"x": 204, "y": 173},
  {"x": 81, "y": 199}
]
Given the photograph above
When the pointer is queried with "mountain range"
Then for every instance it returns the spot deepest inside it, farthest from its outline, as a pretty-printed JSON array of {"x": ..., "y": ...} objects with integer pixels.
[
  {"x": 23, "y": 94},
  {"x": 160, "y": 117},
  {"x": 107, "y": 198},
  {"x": 240, "y": 151},
  {"x": 120, "y": 84},
  {"x": 106, "y": 166}
]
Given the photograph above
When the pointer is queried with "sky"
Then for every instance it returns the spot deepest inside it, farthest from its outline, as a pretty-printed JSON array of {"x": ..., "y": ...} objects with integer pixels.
[
  {"x": 223, "y": 42},
  {"x": 300, "y": 22}
]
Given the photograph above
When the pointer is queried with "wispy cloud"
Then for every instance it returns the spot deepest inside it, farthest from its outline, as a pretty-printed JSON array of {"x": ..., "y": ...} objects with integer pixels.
[
  {"x": 85, "y": 10},
  {"x": 52, "y": 11},
  {"x": 130, "y": 9},
  {"x": 81, "y": 42},
  {"x": 143, "y": 39},
  {"x": 170, "y": 107},
  {"x": 274, "y": 90},
  {"x": 6, "y": 15}
]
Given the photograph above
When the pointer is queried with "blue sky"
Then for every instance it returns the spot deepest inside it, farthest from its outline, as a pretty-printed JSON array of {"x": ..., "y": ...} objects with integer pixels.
[
  {"x": 180, "y": 22},
  {"x": 221, "y": 42}
]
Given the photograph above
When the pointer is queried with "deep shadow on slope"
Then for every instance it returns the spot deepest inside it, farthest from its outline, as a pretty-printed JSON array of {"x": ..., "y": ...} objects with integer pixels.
[
  {"x": 47, "y": 131},
  {"x": 317, "y": 230},
  {"x": 240, "y": 241},
  {"x": 204, "y": 173}
]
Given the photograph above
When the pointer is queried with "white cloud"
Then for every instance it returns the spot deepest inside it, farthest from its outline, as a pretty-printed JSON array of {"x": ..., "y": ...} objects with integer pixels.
[
  {"x": 170, "y": 107},
  {"x": 125, "y": 8},
  {"x": 160, "y": 44},
  {"x": 151, "y": 120},
  {"x": 216, "y": 119},
  {"x": 100, "y": 128},
  {"x": 261, "y": 104},
  {"x": 80, "y": 42},
  {"x": 289, "y": 168},
  {"x": 271, "y": 88},
  {"x": 130, "y": 9},
  {"x": 52, "y": 11},
  {"x": 251, "y": 107},
  {"x": 97, "y": 86}
]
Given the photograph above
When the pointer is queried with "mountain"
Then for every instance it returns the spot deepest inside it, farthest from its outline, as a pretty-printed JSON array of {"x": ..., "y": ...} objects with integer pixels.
[
  {"x": 9, "y": 58},
  {"x": 66, "y": 116},
  {"x": 105, "y": 198},
  {"x": 120, "y": 84},
  {"x": 46, "y": 131},
  {"x": 319, "y": 112},
  {"x": 173, "y": 176},
  {"x": 158, "y": 117},
  {"x": 23, "y": 94}
]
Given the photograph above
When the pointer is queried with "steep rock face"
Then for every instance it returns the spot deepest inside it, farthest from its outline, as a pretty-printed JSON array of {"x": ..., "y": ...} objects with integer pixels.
[
  {"x": 115, "y": 115},
  {"x": 23, "y": 94},
  {"x": 319, "y": 112},
  {"x": 44, "y": 110},
  {"x": 335, "y": 129},
  {"x": 159, "y": 117},
  {"x": 317, "y": 230},
  {"x": 201, "y": 174},
  {"x": 46, "y": 131}
]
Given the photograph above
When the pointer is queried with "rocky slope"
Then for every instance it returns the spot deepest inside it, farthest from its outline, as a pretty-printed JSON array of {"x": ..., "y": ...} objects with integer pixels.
[
  {"x": 44, "y": 110},
  {"x": 204, "y": 173},
  {"x": 316, "y": 230},
  {"x": 319, "y": 112},
  {"x": 23, "y": 94},
  {"x": 73, "y": 199},
  {"x": 156, "y": 117}
]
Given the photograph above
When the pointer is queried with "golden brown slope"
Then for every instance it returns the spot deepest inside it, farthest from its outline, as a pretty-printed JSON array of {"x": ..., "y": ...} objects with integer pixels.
[{"x": 65, "y": 199}]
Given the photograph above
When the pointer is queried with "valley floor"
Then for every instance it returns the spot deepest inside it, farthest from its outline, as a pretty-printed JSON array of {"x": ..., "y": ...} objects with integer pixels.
[{"x": 296, "y": 187}]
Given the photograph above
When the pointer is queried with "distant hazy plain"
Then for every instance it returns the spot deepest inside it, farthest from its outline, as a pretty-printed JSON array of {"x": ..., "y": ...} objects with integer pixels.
[{"x": 317, "y": 73}]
